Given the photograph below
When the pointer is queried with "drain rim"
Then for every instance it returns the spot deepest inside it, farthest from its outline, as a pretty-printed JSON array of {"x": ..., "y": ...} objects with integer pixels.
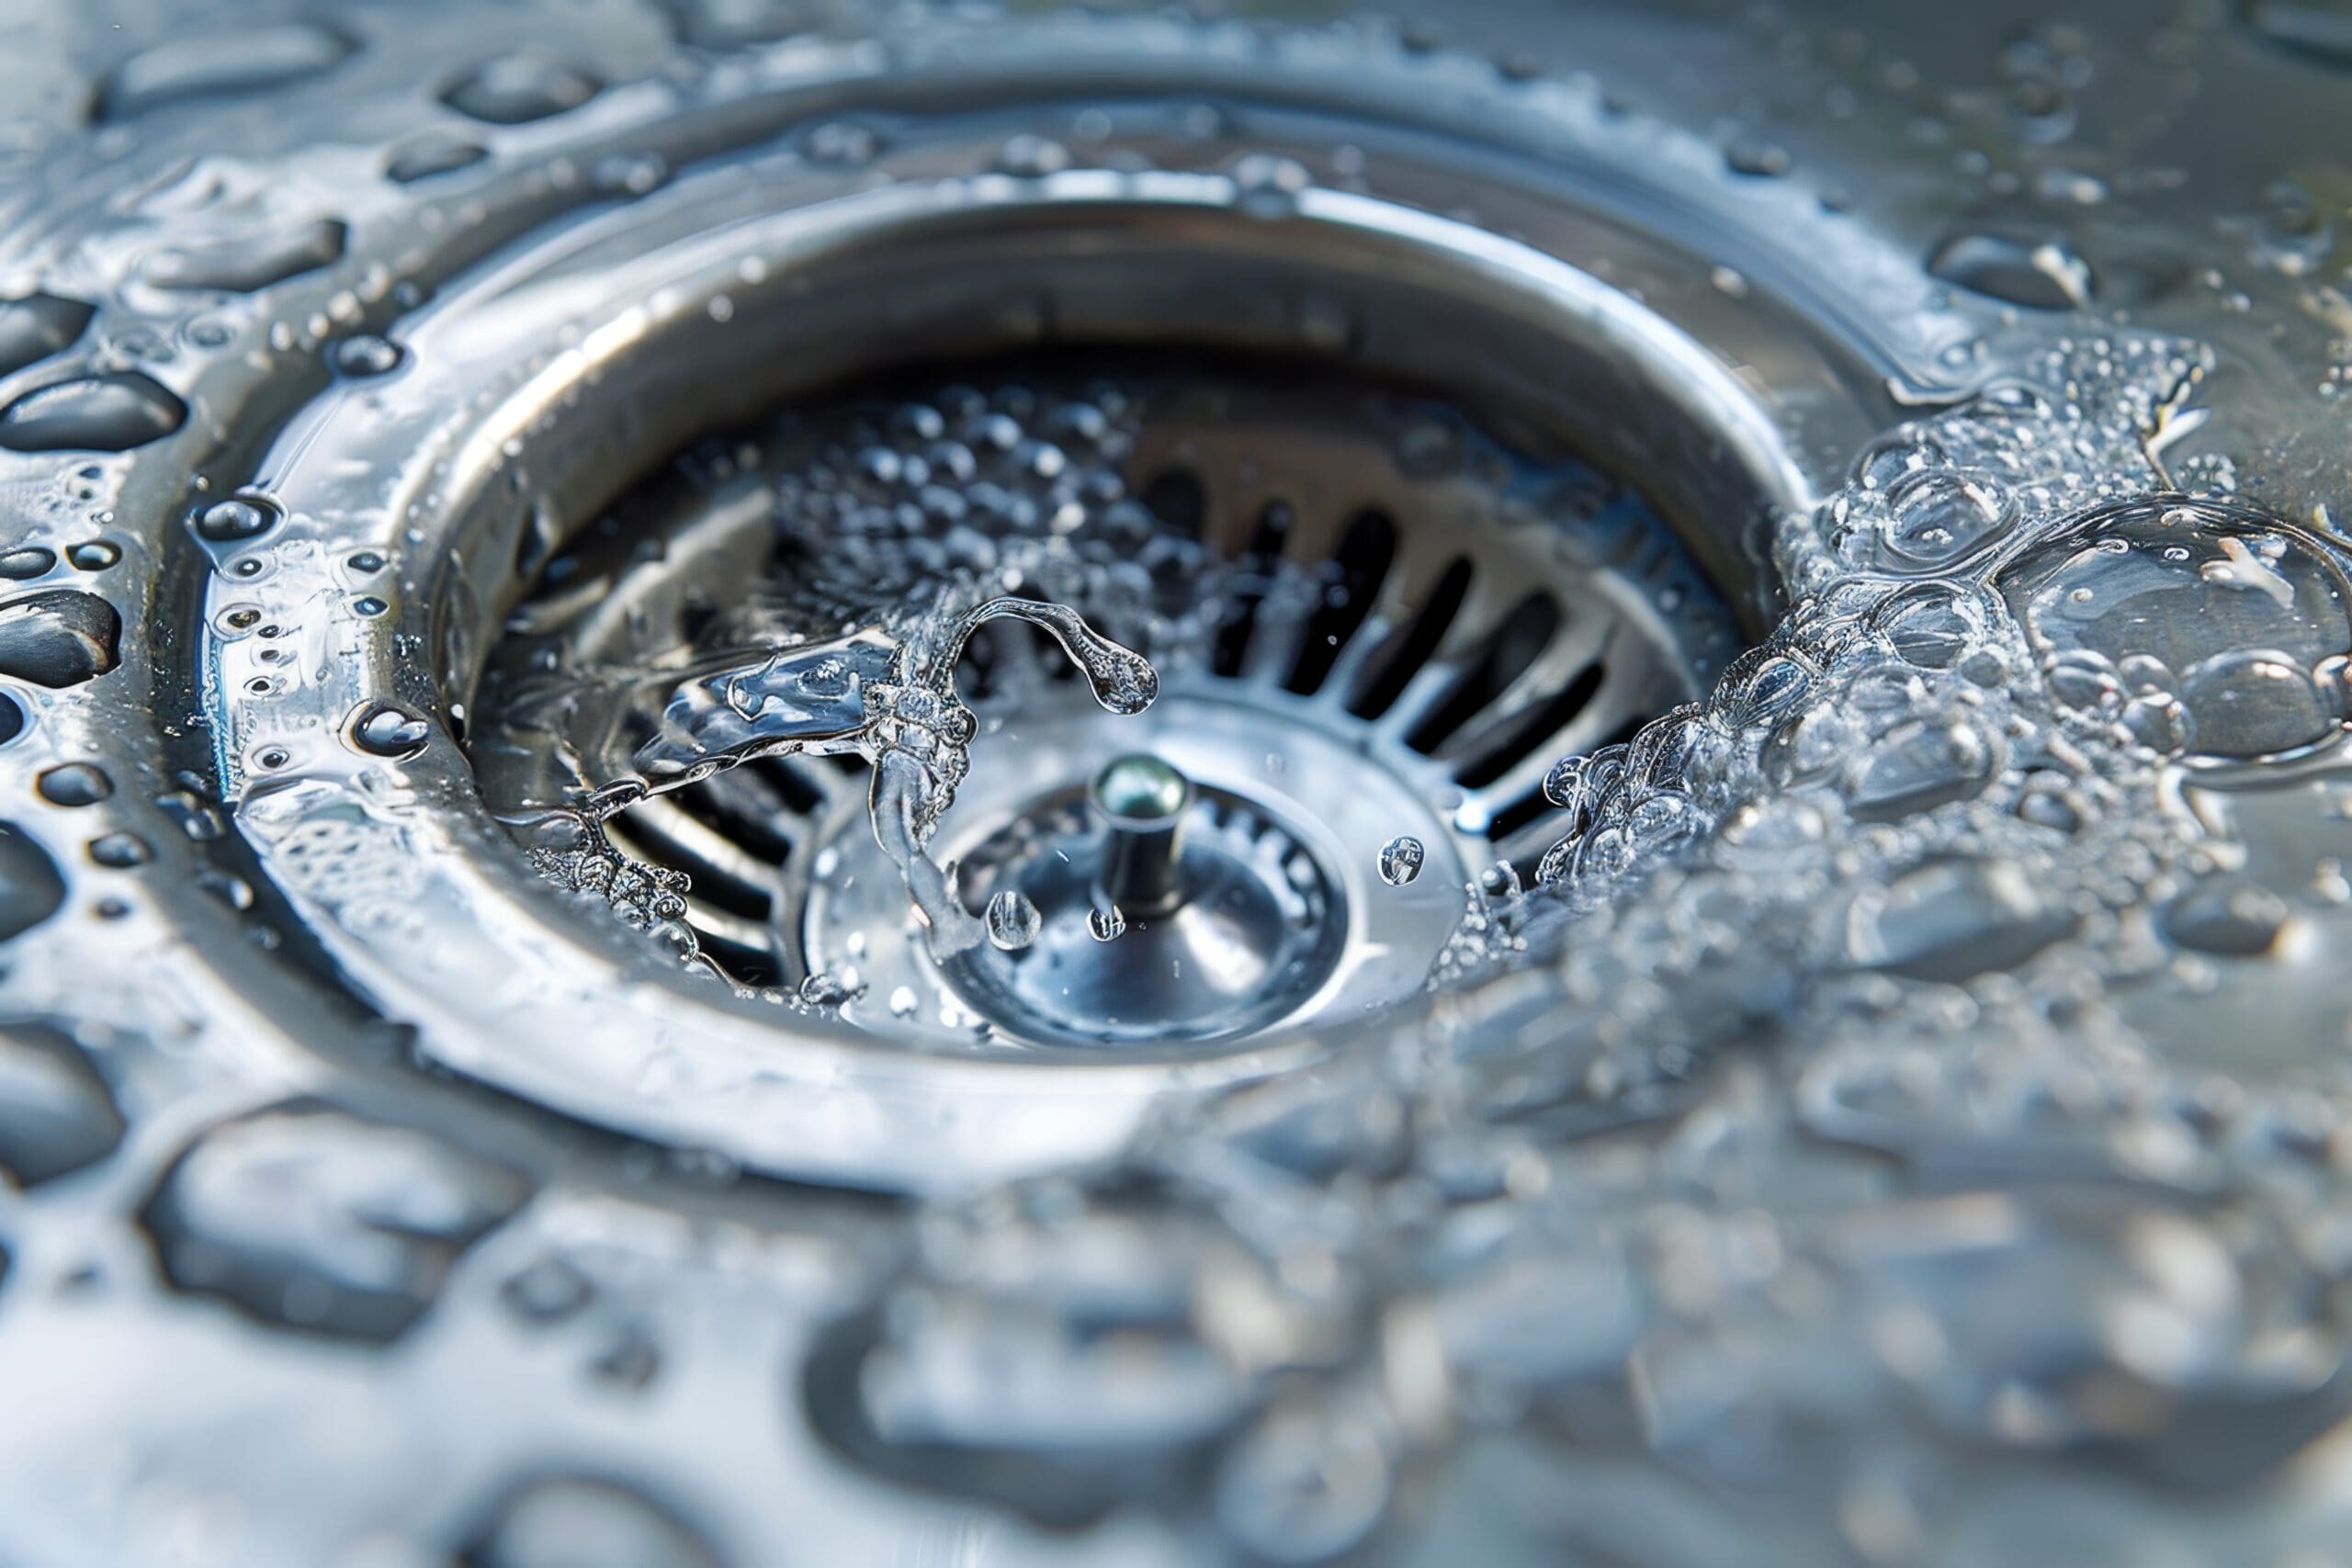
[{"x": 731, "y": 1080}]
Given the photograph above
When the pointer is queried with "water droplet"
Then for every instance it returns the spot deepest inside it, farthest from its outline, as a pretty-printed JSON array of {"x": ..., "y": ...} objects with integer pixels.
[
  {"x": 318, "y": 1219},
  {"x": 1757, "y": 159},
  {"x": 2226, "y": 915},
  {"x": 517, "y": 89},
  {"x": 221, "y": 59},
  {"x": 120, "y": 852},
  {"x": 59, "y": 638},
  {"x": 1014, "y": 922},
  {"x": 241, "y": 266},
  {"x": 38, "y": 325},
  {"x": 57, "y": 1115},
  {"x": 1400, "y": 861},
  {"x": 1106, "y": 924},
  {"x": 1033, "y": 157},
  {"x": 434, "y": 153},
  {"x": 31, "y": 887},
  {"x": 94, "y": 555},
  {"x": 74, "y": 784},
  {"x": 28, "y": 561},
  {"x": 366, "y": 355},
  {"x": 2035, "y": 271},
  {"x": 822, "y": 990},
  {"x": 236, "y": 519},
  {"x": 388, "y": 729},
  {"x": 93, "y": 414},
  {"x": 564, "y": 1521},
  {"x": 844, "y": 143}
]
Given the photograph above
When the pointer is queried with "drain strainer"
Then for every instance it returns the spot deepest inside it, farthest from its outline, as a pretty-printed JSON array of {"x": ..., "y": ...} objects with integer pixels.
[{"x": 1371, "y": 622}]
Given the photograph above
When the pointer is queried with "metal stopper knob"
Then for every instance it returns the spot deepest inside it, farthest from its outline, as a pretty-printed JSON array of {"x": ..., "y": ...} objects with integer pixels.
[{"x": 1141, "y": 802}]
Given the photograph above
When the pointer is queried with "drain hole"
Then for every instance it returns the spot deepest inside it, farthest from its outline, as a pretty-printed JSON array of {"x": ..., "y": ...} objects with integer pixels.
[
  {"x": 1524, "y": 737},
  {"x": 1362, "y": 564},
  {"x": 1253, "y": 579},
  {"x": 1412, "y": 651},
  {"x": 1510, "y": 652}
]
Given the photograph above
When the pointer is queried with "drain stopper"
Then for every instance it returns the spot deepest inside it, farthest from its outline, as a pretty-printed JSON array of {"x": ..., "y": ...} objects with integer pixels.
[
  {"x": 1141, "y": 801},
  {"x": 1221, "y": 921}
]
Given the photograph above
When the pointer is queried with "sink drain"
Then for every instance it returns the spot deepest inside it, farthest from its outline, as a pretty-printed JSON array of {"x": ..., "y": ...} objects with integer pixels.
[
  {"x": 1371, "y": 621},
  {"x": 1611, "y": 750}
]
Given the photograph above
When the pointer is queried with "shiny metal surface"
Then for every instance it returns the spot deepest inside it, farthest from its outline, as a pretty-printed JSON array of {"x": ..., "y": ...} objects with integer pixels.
[{"x": 1893, "y": 1112}]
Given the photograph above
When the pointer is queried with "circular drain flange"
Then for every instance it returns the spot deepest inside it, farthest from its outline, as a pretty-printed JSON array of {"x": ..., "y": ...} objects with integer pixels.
[{"x": 441, "y": 488}]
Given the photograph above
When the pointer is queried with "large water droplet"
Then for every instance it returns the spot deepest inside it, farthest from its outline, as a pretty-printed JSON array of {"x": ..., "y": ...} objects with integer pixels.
[
  {"x": 31, "y": 887},
  {"x": 73, "y": 784},
  {"x": 221, "y": 59},
  {"x": 1400, "y": 861},
  {"x": 388, "y": 729},
  {"x": 92, "y": 413},
  {"x": 59, "y": 638},
  {"x": 1014, "y": 922},
  {"x": 314, "y": 1219},
  {"x": 241, "y": 265},
  {"x": 583, "y": 1522},
  {"x": 38, "y": 325},
  {"x": 2036, "y": 271},
  {"x": 236, "y": 519},
  {"x": 56, "y": 1113}
]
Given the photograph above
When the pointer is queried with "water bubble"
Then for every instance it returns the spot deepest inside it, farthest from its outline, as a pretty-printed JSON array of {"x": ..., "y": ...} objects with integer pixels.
[
  {"x": 1400, "y": 861},
  {"x": 388, "y": 729},
  {"x": 366, "y": 355},
  {"x": 95, "y": 413},
  {"x": 59, "y": 638},
  {"x": 1106, "y": 924},
  {"x": 236, "y": 519},
  {"x": 2217, "y": 629},
  {"x": 1937, "y": 519},
  {"x": 94, "y": 555},
  {"x": 1014, "y": 922}
]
